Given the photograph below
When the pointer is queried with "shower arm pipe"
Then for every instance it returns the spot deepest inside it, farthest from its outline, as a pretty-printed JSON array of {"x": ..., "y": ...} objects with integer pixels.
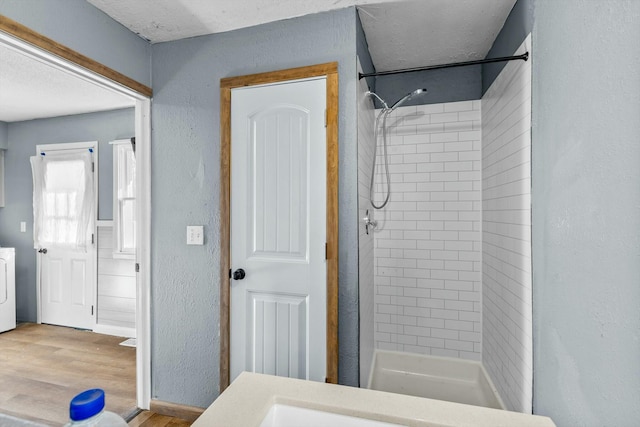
[{"x": 523, "y": 57}]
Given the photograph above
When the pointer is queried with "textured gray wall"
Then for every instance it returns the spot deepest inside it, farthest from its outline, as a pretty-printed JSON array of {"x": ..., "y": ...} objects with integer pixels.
[
  {"x": 362, "y": 50},
  {"x": 586, "y": 216},
  {"x": 4, "y": 136},
  {"x": 516, "y": 28},
  {"x": 23, "y": 138},
  {"x": 82, "y": 27},
  {"x": 185, "y": 176}
]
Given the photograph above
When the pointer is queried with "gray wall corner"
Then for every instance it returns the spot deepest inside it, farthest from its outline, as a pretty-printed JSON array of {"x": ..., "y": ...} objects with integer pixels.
[
  {"x": 515, "y": 30},
  {"x": 362, "y": 50}
]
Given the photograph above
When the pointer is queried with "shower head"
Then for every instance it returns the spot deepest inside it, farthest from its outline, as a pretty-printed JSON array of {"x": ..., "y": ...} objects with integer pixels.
[
  {"x": 375, "y": 95},
  {"x": 407, "y": 97}
]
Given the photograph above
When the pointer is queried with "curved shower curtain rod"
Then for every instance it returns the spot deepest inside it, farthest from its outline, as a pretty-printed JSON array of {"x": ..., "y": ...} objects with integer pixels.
[{"x": 524, "y": 57}]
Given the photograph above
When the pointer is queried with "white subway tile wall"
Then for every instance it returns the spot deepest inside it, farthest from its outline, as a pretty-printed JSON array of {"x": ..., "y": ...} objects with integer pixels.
[
  {"x": 428, "y": 241},
  {"x": 506, "y": 234},
  {"x": 365, "y": 243}
]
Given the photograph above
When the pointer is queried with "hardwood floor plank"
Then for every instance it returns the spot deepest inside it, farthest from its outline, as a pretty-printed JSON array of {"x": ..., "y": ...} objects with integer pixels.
[
  {"x": 140, "y": 419},
  {"x": 42, "y": 367},
  {"x": 149, "y": 419},
  {"x": 42, "y": 406},
  {"x": 22, "y": 416}
]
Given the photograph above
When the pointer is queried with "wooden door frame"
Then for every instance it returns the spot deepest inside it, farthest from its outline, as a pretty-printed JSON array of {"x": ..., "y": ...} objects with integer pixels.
[{"x": 330, "y": 71}]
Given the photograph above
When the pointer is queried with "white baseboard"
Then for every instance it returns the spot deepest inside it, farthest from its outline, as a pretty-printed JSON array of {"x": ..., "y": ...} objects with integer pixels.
[{"x": 118, "y": 331}]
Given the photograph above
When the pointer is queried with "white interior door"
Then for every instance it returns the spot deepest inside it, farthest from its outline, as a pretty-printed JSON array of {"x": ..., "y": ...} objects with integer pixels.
[
  {"x": 67, "y": 274},
  {"x": 278, "y": 229}
]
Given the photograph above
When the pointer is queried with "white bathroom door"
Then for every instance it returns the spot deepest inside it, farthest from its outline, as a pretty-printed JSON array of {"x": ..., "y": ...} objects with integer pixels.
[
  {"x": 278, "y": 230},
  {"x": 67, "y": 277}
]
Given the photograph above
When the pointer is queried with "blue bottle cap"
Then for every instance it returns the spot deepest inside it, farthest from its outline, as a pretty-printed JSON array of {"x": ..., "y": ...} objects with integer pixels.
[{"x": 87, "y": 404}]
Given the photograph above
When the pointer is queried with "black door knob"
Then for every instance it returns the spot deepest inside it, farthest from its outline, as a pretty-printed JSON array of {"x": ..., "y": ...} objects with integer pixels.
[
  {"x": 43, "y": 250},
  {"x": 239, "y": 274}
]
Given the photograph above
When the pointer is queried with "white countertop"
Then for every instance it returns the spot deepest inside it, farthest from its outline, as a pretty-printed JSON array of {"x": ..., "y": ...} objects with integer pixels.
[{"x": 246, "y": 402}]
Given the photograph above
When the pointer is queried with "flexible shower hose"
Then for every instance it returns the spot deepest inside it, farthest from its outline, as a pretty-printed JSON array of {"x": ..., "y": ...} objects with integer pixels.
[{"x": 385, "y": 163}]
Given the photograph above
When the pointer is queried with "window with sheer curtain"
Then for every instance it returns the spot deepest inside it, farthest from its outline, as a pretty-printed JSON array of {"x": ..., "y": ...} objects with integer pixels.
[
  {"x": 62, "y": 200},
  {"x": 124, "y": 204}
]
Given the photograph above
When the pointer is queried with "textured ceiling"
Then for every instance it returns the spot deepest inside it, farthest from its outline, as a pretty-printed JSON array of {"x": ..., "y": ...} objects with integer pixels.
[
  {"x": 30, "y": 89},
  {"x": 166, "y": 20},
  {"x": 400, "y": 34},
  {"x": 418, "y": 33}
]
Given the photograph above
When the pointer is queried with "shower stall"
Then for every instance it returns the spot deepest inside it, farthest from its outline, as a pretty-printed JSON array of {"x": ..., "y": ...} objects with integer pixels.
[{"x": 444, "y": 229}]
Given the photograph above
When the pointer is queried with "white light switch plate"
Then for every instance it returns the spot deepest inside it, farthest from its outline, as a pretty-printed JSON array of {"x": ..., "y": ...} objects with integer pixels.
[
  {"x": 195, "y": 235},
  {"x": 23, "y": 227}
]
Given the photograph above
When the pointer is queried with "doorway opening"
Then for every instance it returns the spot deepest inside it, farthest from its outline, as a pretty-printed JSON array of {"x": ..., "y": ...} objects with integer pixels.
[{"x": 43, "y": 50}]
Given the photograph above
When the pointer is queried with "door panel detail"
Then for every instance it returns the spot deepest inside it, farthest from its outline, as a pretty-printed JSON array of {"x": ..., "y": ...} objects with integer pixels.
[
  {"x": 278, "y": 341},
  {"x": 55, "y": 278},
  {"x": 78, "y": 279},
  {"x": 277, "y": 193}
]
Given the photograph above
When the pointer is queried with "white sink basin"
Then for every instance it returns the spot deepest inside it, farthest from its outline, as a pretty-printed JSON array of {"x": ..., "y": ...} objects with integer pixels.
[{"x": 293, "y": 416}]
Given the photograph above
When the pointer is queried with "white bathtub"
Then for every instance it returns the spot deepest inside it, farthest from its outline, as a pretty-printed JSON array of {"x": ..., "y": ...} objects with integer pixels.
[{"x": 441, "y": 378}]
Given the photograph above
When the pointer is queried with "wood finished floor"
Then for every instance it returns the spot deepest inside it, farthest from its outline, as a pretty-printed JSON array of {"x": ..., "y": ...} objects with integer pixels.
[
  {"x": 149, "y": 419},
  {"x": 43, "y": 367}
]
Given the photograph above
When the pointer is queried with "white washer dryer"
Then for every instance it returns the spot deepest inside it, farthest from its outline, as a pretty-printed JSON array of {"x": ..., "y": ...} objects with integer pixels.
[{"x": 7, "y": 289}]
